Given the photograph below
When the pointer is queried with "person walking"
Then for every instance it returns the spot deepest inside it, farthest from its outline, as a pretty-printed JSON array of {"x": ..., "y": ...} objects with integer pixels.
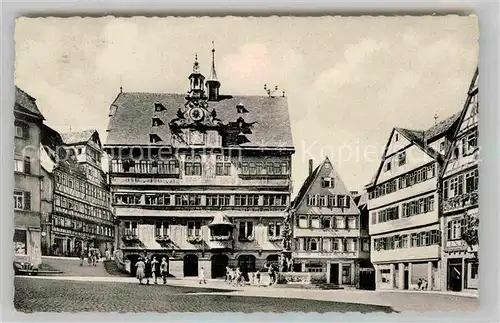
[
  {"x": 227, "y": 277},
  {"x": 257, "y": 275},
  {"x": 139, "y": 274},
  {"x": 164, "y": 270},
  {"x": 82, "y": 256},
  {"x": 155, "y": 267},
  {"x": 201, "y": 276},
  {"x": 147, "y": 270}
]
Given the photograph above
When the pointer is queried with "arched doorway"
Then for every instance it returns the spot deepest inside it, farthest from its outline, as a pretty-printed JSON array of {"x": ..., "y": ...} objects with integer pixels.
[
  {"x": 190, "y": 266},
  {"x": 246, "y": 264},
  {"x": 219, "y": 264}
]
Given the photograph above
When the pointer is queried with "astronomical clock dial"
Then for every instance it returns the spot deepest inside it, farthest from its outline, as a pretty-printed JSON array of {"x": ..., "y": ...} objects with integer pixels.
[{"x": 196, "y": 114}]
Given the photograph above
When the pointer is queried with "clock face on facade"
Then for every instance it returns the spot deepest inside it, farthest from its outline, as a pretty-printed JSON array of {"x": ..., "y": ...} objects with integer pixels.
[{"x": 196, "y": 114}]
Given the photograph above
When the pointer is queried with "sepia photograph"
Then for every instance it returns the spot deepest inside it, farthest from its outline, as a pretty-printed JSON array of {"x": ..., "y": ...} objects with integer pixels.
[{"x": 246, "y": 164}]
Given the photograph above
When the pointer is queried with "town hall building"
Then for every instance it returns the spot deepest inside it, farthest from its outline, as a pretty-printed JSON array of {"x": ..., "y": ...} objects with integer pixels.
[{"x": 201, "y": 179}]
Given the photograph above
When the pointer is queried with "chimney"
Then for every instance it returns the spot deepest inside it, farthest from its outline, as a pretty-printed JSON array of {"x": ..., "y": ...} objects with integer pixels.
[{"x": 310, "y": 167}]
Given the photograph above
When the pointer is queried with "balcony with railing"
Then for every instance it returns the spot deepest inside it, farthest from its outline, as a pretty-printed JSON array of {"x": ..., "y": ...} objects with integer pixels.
[{"x": 130, "y": 235}]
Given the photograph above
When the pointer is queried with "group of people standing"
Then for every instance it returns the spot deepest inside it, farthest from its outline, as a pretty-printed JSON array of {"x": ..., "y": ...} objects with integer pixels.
[{"x": 151, "y": 269}]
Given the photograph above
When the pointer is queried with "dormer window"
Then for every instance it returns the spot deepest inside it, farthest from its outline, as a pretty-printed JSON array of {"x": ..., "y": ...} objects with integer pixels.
[
  {"x": 159, "y": 107},
  {"x": 327, "y": 182},
  {"x": 240, "y": 108},
  {"x": 153, "y": 138},
  {"x": 157, "y": 122}
]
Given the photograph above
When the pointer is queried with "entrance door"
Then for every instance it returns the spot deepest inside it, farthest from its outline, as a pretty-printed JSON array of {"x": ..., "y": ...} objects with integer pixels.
[
  {"x": 219, "y": 264},
  {"x": 455, "y": 276},
  {"x": 334, "y": 274},
  {"x": 190, "y": 266},
  {"x": 367, "y": 278},
  {"x": 406, "y": 279}
]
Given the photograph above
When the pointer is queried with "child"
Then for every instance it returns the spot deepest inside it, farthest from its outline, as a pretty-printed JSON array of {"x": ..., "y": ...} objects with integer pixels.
[
  {"x": 202, "y": 276},
  {"x": 257, "y": 275}
]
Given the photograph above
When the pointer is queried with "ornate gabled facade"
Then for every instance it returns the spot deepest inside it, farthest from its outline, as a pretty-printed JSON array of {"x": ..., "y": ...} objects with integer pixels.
[
  {"x": 202, "y": 180},
  {"x": 404, "y": 208},
  {"x": 77, "y": 212},
  {"x": 460, "y": 196},
  {"x": 27, "y": 179},
  {"x": 326, "y": 233}
]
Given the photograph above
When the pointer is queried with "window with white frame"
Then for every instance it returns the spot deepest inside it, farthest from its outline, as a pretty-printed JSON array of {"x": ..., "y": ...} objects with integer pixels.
[
  {"x": 18, "y": 200},
  {"x": 332, "y": 201},
  {"x": 246, "y": 229},
  {"x": 314, "y": 222},
  {"x": 455, "y": 228},
  {"x": 340, "y": 222},
  {"x": 303, "y": 221},
  {"x": 18, "y": 166},
  {"x": 327, "y": 222},
  {"x": 322, "y": 200},
  {"x": 274, "y": 230},
  {"x": 472, "y": 181},
  {"x": 161, "y": 229},
  {"x": 194, "y": 228},
  {"x": 327, "y": 182},
  {"x": 351, "y": 223},
  {"x": 311, "y": 200},
  {"x": 130, "y": 228}
]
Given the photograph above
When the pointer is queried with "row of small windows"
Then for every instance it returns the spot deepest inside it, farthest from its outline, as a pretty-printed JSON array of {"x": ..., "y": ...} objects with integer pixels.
[
  {"x": 202, "y": 199},
  {"x": 193, "y": 229},
  {"x": 264, "y": 168},
  {"x": 415, "y": 207},
  {"x": 420, "y": 239},
  {"x": 78, "y": 225},
  {"x": 83, "y": 208},
  {"x": 404, "y": 181},
  {"x": 333, "y": 244},
  {"x": 83, "y": 187},
  {"x": 327, "y": 222},
  {"x": 193, "y": 167},
  {"x": 343, "y": 201},
  {"x": 454, "y": 186}
]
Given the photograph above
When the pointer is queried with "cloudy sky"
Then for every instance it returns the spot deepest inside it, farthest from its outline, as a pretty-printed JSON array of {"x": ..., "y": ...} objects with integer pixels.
[{"x": 349, "y": 81}]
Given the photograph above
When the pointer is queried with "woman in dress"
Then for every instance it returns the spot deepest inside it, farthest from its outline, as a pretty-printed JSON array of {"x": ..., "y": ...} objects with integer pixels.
[{"x": 140, "y": 270}]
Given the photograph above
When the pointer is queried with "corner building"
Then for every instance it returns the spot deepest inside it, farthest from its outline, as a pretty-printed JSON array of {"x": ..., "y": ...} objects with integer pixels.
[
  {"x": 27, "y": 179},
  {"x": 460, "y": 194},
  {"x": 404, "y": 207},
  {"x": 201, "y": 179}
]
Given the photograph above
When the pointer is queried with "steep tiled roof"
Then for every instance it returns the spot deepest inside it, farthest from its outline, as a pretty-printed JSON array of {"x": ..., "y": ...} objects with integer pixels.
[
  {"x": 78, "y": 136},
  {"x": 305, "y": 186},
  {"x": 27, "y": 102},
  {"x": 441, "y": 127},
  {"x": 131, "y": 113}
]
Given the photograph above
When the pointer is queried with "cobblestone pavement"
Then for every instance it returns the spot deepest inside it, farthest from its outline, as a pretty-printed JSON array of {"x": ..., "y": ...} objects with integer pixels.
[{"x": 47, "y": 295}]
